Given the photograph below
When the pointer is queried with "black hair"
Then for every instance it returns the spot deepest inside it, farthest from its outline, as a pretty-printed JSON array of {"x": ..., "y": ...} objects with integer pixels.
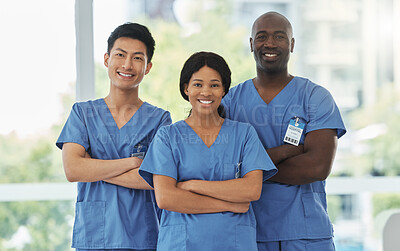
[
  {"x": 134, "y": 31},
  {"x": 197, "y": 61}
]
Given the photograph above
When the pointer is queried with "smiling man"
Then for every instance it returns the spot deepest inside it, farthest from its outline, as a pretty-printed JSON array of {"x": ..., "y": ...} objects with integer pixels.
[
  {"x": 103, "y": 143},
  {"x": 298, "y": 123}
]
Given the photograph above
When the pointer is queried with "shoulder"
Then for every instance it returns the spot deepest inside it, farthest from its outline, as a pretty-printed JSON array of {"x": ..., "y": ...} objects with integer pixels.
[
  {"x": 309, "y": 86},
  {"x": 87, "y": 107},
  {"x": 171, "y": 129},
  {"x": 240, "y": 127},
  {"x": 237, "y": 89},
  {"x": 154, "y": 109}
]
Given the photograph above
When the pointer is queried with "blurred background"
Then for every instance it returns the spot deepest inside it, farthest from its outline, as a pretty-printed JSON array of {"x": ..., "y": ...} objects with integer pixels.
[{"x": 348, "y": 46}]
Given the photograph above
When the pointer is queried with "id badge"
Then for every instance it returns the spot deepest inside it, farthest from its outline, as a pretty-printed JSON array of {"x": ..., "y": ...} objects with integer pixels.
[
  {"x": 238, "y": 168},
  {"x": 139, "y": 151},
  {"x": 294, "y": 132}
]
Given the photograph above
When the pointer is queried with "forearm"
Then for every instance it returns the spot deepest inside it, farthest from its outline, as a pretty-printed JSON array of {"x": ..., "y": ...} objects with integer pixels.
[
  {"x": 284, "y": 152},
  {"x": 172, "y": 198},
  {"x": 314, "y": 164},
  {"x": 299, "y": 170},
  {"x": 244, "y": 189},
  {"x": 182, "y": 201},
  {"x": 78, "y": 165},
  {"x": 130, "y": 179}
]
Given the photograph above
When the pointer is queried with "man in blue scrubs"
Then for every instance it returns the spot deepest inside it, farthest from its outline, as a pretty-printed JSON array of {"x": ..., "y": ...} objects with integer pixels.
[
  {"x": 103, "y": 143},
  {"x": 298, "y": 123}
]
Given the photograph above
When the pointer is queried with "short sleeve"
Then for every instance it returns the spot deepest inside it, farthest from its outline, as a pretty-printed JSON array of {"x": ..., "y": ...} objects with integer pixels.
[
  {"x": 226, "y": 102},
  {"x": 159, "y": 158},
  {"x": 74, "y": 130},
  {"x": 255, "y": 157},
  {"x": 324, "y": 113},
  {"x": 166, "y": 119}
]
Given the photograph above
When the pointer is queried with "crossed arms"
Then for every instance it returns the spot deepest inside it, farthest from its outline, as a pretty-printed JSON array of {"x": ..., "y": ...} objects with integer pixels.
[
  {"x": 202, "y": 196},
  {"x": 305, "y": 164},
  {"x": 79, "y": 167}
]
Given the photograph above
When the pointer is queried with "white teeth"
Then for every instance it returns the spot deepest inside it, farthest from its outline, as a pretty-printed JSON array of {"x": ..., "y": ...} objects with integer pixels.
[
  {"x": 125, "y": 75},
  {"x": 270, "y": 55},
  {"x": 205, "y": 102}
]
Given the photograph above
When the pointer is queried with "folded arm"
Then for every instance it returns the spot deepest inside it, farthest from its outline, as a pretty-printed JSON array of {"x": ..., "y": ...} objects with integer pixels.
[
  {"x": 130, "y": 179},
  {"x": 314, "y": 164},
  {"x": 172, "y": 198},
  {"x": 244, "y": 189},
  {"x": 79, "y": 168},
  {"x": 284, "y": 152}
]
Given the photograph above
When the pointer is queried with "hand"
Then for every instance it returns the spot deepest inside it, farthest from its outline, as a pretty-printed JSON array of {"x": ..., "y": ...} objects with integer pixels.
[{"x": 136, "y": 162}]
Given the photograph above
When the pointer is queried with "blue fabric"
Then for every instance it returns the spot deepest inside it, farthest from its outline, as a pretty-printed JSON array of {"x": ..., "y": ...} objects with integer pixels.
[
  {"x": 108, "y": 216},
  {"x": 298, "y": 245},
  {"x": 288, "y": 212},
  {"x": 178, "y": 152}
]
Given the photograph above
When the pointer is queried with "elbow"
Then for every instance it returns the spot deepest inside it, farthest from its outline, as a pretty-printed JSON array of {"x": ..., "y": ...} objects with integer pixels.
[
  {"x": 255, "y": 193},
  {"x": 70, "y": 174},
  {"x": 323, "y": 172},
  {"x": 70, "y": 177},
  {"x": 162, "y": 201}
]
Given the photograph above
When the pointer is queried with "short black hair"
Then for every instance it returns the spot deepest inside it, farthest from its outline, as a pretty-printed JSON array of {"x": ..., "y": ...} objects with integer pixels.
[{"x": 134, "y": 31}]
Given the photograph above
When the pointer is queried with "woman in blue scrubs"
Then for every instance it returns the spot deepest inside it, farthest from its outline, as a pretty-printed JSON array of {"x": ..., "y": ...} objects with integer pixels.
[{"x": 206, "y": 169}]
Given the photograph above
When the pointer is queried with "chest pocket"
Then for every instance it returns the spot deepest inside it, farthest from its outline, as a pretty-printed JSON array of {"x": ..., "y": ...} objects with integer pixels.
[
  {"x": 232, "y": 171},
  {"x": 139, "y": 151}
]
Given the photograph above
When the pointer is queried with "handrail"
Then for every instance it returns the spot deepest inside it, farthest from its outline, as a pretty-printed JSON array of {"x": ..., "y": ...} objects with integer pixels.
[{"x": 67, "y": 191}]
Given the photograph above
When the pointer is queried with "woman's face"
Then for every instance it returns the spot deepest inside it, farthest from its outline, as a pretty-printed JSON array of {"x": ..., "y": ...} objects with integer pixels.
[{"x": 205, "y": 91}]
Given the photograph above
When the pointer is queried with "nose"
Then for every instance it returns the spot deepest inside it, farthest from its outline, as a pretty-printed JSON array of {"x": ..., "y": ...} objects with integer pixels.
[
  {"x": 270, "y": 42},
  {"x": 205, "y": 91},
  {"x": 127, "y": 64}
]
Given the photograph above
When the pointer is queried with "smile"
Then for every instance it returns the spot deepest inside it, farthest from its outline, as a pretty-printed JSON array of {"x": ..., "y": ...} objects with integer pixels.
[
  {"x": 125, "y": 75},
  {"x": 205, "y": 101},
  {"x": 270, "y": 55}
]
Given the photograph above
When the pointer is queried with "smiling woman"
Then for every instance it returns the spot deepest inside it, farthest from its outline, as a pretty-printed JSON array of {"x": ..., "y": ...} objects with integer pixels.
[{"x": 206, "y": 169}]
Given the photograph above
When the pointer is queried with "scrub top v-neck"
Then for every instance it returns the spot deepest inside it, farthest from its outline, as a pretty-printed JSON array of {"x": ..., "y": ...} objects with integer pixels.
[
  {"x": 178, "y": 152},
  {"x": 287, "y": 212},
  {"x": 110, "y": 216}
]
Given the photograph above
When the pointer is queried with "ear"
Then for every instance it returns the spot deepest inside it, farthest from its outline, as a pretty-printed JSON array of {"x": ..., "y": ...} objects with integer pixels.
[
  {"x": 185, "y": 87},
  {"x": 106, "y": 57},
  {"x": 251, "y": 44},
  {"x": 148, "y": 67},
  {"x": 292, "y": 45}
]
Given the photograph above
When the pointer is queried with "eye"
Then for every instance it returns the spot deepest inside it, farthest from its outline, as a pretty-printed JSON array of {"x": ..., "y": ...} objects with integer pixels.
[
  {"x": 197, "y": 85},
  {"x": 279, "y": 37},
  {"x": 138, "y": 58},
  {"x": 215, "y": 85},
  {"x": 119, "y": 55},
  {"x": 261, "y": 37}
]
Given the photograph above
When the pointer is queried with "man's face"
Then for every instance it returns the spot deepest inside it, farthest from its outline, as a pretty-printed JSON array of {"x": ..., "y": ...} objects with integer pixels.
[
  {"x": 127, "y": 63},
  {"x": 271, "y": 43}
]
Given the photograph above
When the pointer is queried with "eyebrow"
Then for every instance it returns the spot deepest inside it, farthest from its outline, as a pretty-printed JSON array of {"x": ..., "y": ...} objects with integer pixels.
[
  {"x": 138, "y": 52},
  {"x": 275, "y": 32},
  {"x": 200, "y": 80}
]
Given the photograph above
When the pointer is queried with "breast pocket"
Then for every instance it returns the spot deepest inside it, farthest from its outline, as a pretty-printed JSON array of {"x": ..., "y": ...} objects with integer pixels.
[{"x": 232, "y": 171}]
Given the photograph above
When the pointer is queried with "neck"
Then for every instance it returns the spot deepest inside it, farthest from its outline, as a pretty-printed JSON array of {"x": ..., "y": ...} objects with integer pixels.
[
  {"x": 205, "y": 121},
  {"x": 120, "y": 98},
  {"x": 276, "y": 80}
]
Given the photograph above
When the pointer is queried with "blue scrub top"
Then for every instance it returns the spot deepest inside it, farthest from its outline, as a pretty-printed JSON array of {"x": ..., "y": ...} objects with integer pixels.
[
  {"x": 178, "y": 152},
  {"x": 288, "y": 212},
  {"x": 109, "y": 216}
]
